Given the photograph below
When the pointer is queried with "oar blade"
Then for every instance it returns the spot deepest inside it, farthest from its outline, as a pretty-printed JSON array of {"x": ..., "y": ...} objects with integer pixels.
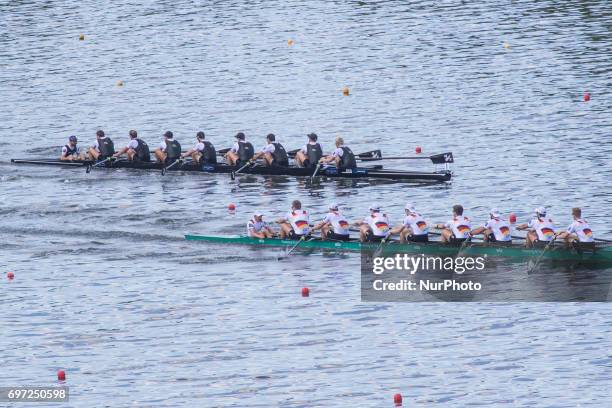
[{"x": 442, "y": 158}]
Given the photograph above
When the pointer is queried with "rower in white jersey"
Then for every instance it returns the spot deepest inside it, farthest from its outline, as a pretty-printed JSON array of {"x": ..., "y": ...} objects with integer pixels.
[
  {"x": 414, "y": 228},
  {"x": 71, "y": 151},
  {"x": 295, "y": 225},
  {"x": 258, "y": 228},
  {"x": 578, "y": 230},
  {"x": 375, "y": 227},
  {"x": 496, "y": 229},
  {"x": 540, "y": 228},
  {"x": 457, "y": 230},
  {"x": 334, "y": 226}
]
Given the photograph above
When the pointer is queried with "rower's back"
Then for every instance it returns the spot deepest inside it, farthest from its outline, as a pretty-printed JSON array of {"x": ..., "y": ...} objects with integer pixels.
[
  {"x": 173, "y": 150},
  {"x": 347, "y": 161},
  {"x": 280, "y": 155},
  {"x": 314, "y": 153},
  {"x": 143, "y": 153},
  {"x": 246, "y": 151},
  {"x": 106, "y": 147}
]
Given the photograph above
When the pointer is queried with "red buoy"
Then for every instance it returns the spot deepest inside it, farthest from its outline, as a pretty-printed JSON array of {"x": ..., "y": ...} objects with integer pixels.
[
  {"x": 397, "y": 398},
  {"x": 418, "y": 150},
  {"x": 587, "y": 96},
  {"x": 512, "y": 218},
  {"x": 61, "y": 375},
  {"x": 231, "y": 207},
  {"x": 10, "y": 275},
  {"x": 305, "y": 292}
]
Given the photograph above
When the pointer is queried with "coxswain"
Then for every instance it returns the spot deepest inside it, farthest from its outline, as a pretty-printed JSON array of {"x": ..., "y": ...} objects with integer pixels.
[
  {"x": 578, "y": 230},
  {"x": 540, "y": 228},
  {"x": 103, "y": 148},
  {"x": 375, "y": 227},
  {"x": 136, "y": 149},
  {"x": 496, "y": 229},
  {"x": 241, "y": 152},
  {"x": 273, "y": 153},
  {"x": 414, "y": 228},
  {"x": 342, "y": 157},
  {"x": 310, "y": 154},
  {"x": 258, "y": 228},
  {"x": 203, "y": 152},
  {"x": 457, "y": 230},
  {"x": 334, "y": 226},
  {"x": 71, "y": 151},
  {"x": 295, "y": 225},
  {"x": 169, "y": 149}
]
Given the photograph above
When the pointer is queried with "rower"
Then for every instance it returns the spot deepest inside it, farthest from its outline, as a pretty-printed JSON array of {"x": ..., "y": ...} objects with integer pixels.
[
  {"x": 258, "y": 228},
  {"x": 414, "y": 228},
  {"x": 169, "y": 150},
  {"x": 241, "y": 152},
  {"x": 578, "y": 230},
  {"x": 137, "y": 149},
  {"x": 343, "y": 156},
  {"x": 541, "y": 228},
  {"x": 310, "y": 154},
  {"x": 457, "y": 230},
  {"x": 203, "y": 152},
  {"x": 273, "y": 153},
  {"x": 295, "y": 225},
  {"x": 71, "y": 151},
  {"x": 496, "y": 229},
  {"x": 375, "y": 227},
  {"x": 334, "y": 226},
  {"x": 103, "y": 148}
]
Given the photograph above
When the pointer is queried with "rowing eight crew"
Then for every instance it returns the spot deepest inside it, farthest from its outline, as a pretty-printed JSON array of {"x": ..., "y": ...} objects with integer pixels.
[
  {"x": 203, "y": 152},
  {"x": 376, "y": 227}
]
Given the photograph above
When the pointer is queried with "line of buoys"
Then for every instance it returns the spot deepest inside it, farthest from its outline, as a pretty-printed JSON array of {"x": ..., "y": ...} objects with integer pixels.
[{"x": 10, "y": 276}]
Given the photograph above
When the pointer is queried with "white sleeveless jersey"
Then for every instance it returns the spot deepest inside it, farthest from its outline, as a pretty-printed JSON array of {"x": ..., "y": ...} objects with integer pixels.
[
  {"x": 460, "y": 227},
  {"x": 417, "y": 224},
  {"x": 543, "y": 227},
  {"x": 255, "y": 226},
  {"x": 500, "y": 228},
  {"x": 299, "y": 221},
  {"x": 379, "y": 223},
  {"x": 582, "y": 230},
  {"x": 339, "y": 224}
]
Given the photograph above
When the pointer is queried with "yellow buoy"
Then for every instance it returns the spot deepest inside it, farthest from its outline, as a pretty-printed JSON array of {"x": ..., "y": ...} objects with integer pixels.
[
  {"x": 119, "y": 83},
  {"x": 345, "y": 91},
  {"x": 506, "y": 44},
  {"x": 290, "y": 42},
  {"x": 82, "y": 37}
]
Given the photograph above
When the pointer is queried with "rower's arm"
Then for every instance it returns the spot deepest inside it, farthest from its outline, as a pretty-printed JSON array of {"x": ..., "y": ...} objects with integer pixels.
[
  {"x": 120, "y": 152},
  {"x": 398, "y": 229},
  {"x": 521, "y": 227},
  {"x": 188, "y": 153},
  {"x": 319, "y": 226},
  {"x": 477, "y": 231}
]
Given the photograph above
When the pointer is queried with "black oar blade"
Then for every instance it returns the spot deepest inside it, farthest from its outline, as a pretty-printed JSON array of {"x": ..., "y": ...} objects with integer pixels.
[
  {"x": 88, "y": 169},
  {"x": 233, "y": 175},
  {"x": 223, "y": 151},
  {"x": 442, "y": 158},
  {"x": 372, "y": 155},
  {"x": 292, "y": 153}
]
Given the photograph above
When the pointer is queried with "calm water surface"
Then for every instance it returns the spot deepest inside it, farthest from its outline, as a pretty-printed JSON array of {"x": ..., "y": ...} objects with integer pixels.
[{"x": 107, "y": 289}]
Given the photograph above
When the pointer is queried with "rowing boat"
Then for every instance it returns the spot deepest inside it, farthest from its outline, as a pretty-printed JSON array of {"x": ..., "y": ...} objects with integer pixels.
[
  {"x": 600, "y": 253},
  {"x": 374, "y": 172}
]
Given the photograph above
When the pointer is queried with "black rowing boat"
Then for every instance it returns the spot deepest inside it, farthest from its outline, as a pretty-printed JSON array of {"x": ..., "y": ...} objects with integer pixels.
[{"x": 374, "y": 172}]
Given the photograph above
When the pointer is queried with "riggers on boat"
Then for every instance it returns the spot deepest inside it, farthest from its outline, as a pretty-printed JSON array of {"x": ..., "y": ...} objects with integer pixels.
[
  {"x": 591, "y": 253},
  {"x": 363, "y": 172}
]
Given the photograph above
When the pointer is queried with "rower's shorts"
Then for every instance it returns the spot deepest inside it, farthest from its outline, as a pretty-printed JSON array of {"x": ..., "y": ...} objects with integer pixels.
[
  {"x": 491, "y": 238},
  {"x": 417, "y": 238},
  {"x": 457, "y": 241},
  {"x": 296, "y": 237},
  {"x": 331, "y": 235},
  {"x": 284, "y": 163}
]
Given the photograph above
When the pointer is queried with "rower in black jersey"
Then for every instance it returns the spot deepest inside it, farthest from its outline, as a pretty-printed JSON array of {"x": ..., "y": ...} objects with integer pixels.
[
  {"x": 203, "y": 152},
  {"x": 310, "y": 154},
  {"x": 103, "y": 148},
  {"x": 273, "y": 153},
  {"x": 241, "y": 152},
  {"x": 342, "y": 157},
  {"x": 136, "y": 149},
  {"x": 71, "y": 151},
  {"x": 169, "y": 149}
]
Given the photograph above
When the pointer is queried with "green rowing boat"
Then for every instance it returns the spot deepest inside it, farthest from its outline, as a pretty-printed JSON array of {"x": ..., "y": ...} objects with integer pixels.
[{"x": 598, "y": 253}]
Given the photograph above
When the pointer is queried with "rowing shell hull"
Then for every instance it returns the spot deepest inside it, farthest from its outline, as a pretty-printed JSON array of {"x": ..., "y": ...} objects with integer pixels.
[
  {"x": 601, "y": 255},
  {"x": 332, "y": 172}
]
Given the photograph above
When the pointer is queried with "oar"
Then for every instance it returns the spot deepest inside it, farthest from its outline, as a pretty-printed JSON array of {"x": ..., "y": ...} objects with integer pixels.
[
  {"x": 292, "y": 153},
  {"x": 177, "y": 161},
  {"x": 601, "y": 240},
  {"x": 315, "y": 172},
  {"x": 537, "y": 262},
  {"x": 223, "y": 151},
  {"x": 436, "y": 158},
  {"x": 233, "y": 173},
  {"x": 302, "y": 239},
  {"x": 101, "y": 162}
]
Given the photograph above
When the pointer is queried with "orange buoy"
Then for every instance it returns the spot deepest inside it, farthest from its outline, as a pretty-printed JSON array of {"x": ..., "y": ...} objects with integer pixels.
[
  {"x": 290, "y": 42},
  {"x": 397, "y": 399},
  {"x": 346, "y": 91},
  {"x": 418, "y": 150},
  {"x": 119, "y": 83},
  {"x": 305, "y": 292},
  {"x": 512, "y": 218},
  {"x": 61, "y": 375},
  {"x": 81, "y": 37},
  {"x": 10, "y": 276},
  {"x": 587, "y": 96},
  {"x": 231, "y": 207}
]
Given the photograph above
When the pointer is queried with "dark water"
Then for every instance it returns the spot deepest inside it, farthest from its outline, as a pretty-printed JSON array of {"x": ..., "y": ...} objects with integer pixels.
[{"x": 107, "y": 289}]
